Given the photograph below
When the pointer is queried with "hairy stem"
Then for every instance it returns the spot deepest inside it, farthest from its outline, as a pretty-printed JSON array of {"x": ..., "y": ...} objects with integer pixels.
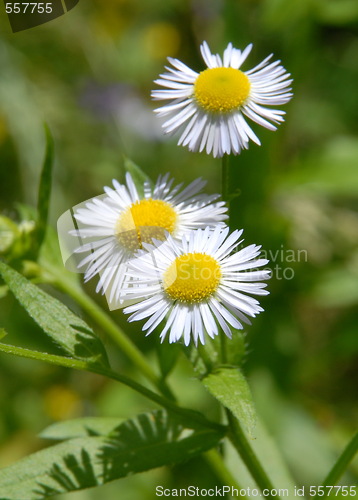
[
  {"x": 216, "y": 462},
  {"x": 225, "y": 181},
  {"x": 78, "y": 364},
  {"x": 242, "y": 445}
]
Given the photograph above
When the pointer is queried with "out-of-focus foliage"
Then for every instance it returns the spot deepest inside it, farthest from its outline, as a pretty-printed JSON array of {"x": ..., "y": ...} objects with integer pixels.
[{"x": 89, "y": 75}]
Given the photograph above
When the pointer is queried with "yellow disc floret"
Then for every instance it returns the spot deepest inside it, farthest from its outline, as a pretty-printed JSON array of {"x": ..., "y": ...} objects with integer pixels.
[
  {"x": 192, "y": 277},
  {"x": 221, "y": 90},
  {"x": 145, "y": 220}
]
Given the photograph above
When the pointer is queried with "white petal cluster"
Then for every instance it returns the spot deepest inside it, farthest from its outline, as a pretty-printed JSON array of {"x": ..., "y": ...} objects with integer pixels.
[
  {"x": 229, "y": 307},
  {"x": 225, "y": 132}
]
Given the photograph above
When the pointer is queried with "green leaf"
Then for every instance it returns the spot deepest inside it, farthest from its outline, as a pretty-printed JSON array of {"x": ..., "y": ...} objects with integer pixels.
[
  {"x": 56, "y": 320},
  {"x": 229, "y": 386},
  {"x": 45, "y": 189},
  {"x": 81, "y": 427},
  {"x": 68, "y": 466},
  {"x": 150, "y": 440},
  {"x": 138, "y": 176}
]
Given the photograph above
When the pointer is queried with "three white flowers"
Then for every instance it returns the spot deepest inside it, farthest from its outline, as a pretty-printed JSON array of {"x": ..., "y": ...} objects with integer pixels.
[{"x": 168, "y": 250}]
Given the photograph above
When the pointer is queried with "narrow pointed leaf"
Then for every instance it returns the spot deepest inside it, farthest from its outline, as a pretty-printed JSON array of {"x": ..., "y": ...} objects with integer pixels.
[
  {"x": 146, "y": 442},
  {"x": 342, "y": 463},
  {"x": 68, "y": 330},
  {"x": 43, "y": 201},
  {"x": 229, "y": 386},
  {"x": 139, "y": 177}
]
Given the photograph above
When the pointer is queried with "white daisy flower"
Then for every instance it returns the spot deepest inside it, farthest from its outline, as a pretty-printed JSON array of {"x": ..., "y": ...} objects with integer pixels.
[
  {"x": 209, "y": 108},
  {"x": 197, "y": 285},
  {"x": 116, "y": 224}
]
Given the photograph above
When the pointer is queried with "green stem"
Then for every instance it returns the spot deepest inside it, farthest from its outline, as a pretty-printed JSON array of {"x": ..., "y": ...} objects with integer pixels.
[
  {"x": 205, "y": 357},
  {"x": 225, "y": 194},
  {"x": 242, "y": 445},
  {"x": 216, "y": 462},
  {"x": 112, "y": 329},
  {"x": 84, "y": 366},
  {"x": 223, "y": 347},
  {"x": 342, "y": 463},
  {"x": 239, "y": 440},
  {"x": 225, "y": 181}
]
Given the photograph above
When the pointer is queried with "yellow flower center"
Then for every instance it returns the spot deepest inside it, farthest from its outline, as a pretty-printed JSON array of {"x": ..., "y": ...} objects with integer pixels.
[
  {"x": 143, "y": 221},
  {"x": 221, "y": 90},
  {"x": 192, "y": 277}
]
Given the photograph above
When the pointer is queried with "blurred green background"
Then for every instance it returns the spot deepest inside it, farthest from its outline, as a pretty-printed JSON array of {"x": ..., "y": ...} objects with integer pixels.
[{"x": 88, "y": 75}]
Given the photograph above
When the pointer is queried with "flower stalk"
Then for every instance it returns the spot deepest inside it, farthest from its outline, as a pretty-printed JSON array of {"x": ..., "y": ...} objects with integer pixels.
[
  {"x": 342, "y": 463},
  {"x": 246, "y": 452},
  {"x": 225, "y": 181}
]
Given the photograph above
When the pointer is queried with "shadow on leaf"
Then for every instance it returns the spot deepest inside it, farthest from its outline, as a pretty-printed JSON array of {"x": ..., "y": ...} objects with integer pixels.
[{"x": 73, "y": 475}]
